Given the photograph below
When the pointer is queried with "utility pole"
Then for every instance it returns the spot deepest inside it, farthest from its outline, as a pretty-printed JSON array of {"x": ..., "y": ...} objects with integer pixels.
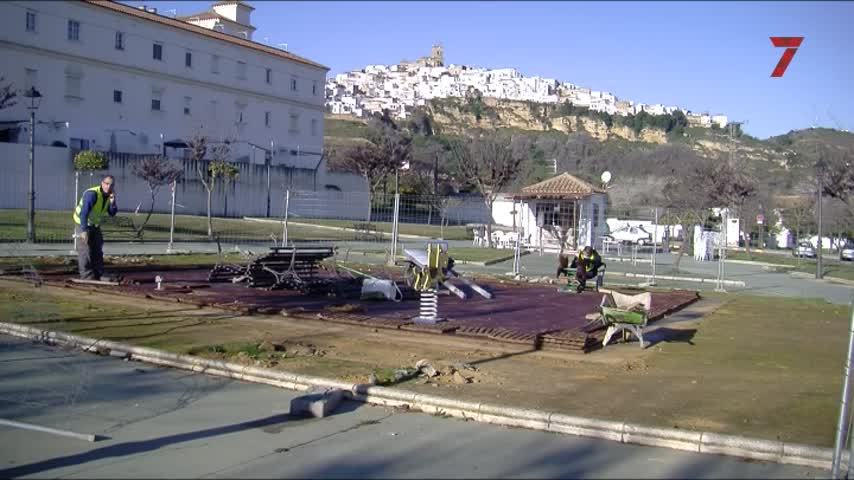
[{"x": 819, "y": 173}]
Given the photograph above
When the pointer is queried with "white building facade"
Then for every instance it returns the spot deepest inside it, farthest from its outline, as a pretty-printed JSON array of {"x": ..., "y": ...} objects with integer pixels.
[{"x": 128, "y": 80}]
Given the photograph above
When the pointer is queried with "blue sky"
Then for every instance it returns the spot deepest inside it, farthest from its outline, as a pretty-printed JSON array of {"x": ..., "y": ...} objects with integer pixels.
[{"x": 703, "y": 56}]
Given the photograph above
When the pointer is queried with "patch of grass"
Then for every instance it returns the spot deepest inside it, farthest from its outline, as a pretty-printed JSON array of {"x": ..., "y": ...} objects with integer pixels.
[
  {"x": 57, "y": 226},
  {"x": 830, "y": 263},
  {"x": 334, "y": 127},
  {"x": 763, "y": 355},
  {"x": 39, "y": 263},
  {"x": 456, "y": 232},
  {"x": 475, "y": 254}
]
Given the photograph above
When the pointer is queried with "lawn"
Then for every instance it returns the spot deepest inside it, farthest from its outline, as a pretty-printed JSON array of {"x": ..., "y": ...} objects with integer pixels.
[
  {"x": 831, "y": 264},
  {"x": 756, "y": 366},
  {"x": 57, "y": 226},
  {"x": 455, "y": 232}
]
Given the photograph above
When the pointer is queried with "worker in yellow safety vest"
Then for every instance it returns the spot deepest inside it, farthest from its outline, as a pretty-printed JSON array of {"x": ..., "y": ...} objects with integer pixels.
[
  {"x": 586, "y": 265},
  {"x": 94, "y": 205}
]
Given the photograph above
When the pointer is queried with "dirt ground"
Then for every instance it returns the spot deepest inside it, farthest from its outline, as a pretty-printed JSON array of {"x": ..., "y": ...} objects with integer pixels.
[{"x": 756, "y": 366}]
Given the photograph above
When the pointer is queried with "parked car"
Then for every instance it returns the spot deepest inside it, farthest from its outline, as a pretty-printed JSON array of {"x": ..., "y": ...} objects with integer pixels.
[
  {"x": 631, "y": 235},
  {"x": 847, "y": 252},
  {"x": 804, "y": 249}
]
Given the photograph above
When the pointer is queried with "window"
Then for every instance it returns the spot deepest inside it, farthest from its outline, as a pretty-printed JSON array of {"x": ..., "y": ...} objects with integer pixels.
[
  {"x": 157, "y": 51},
  {"x": 241, "y": 70},
  {"x": 120, "y": 41},
  {"x": 79, "y": 144},
  {"x": 313, "y": 127},
  {"x": 117, "y": 96},
  {"x": 314, "y": 88},
  {"x": 72, "y": 86},
  {"x": 554, "y": 214},
  {"x": 31, "y": 21},
  {"x": 215, "y": 64},
  {"x": 267, "y": 119},
  {"x": 294, "y": 125},
  {"x": 293, "y": 84},
  {"x": 74, "y": 30},
  {"x": 188, "y": 59},
  {"x": 155, "y": 104},
  {"x": 31, "y": 79},
  {"x": 212, "y": 110},
  {"x": 269, "y": 76},
  {"x": 187, "y": 102},
  {"x": 595, "y": 215}
]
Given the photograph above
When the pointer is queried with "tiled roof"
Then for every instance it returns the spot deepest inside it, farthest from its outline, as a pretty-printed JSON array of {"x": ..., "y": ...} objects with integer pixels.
[
  {"x": 182, "y": 25},
  {"x": 563, "y": 186}
]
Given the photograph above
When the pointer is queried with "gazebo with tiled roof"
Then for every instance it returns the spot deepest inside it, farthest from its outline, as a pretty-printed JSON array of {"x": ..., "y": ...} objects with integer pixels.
[{"x": 562, "y": 211}]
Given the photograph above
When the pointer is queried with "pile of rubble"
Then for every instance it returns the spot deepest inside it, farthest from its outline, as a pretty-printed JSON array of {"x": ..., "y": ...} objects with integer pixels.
[{"x": 457, "y": 373}]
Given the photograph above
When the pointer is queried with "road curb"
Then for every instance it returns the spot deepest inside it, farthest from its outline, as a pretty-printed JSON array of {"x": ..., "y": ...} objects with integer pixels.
[
  {"x": 734, "y": 283},
  {"x": 693, "y": 441},
  {"x": 810, "y": 276}
]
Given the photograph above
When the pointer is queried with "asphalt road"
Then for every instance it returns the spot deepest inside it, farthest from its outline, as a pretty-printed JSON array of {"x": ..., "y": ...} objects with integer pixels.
[{"x": 170, "y": 423}]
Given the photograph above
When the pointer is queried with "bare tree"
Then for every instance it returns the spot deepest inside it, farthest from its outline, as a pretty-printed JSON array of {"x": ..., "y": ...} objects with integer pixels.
[
  {"x": 730, "y": 186},
  {"x": 218, "y": 168},
  {"x": 386, "y": 152},
  {"x": 7, "y": 94},
  {"x": 156, "y": 172},
  {"x": 686, "y": 202},
  {"x": 798, "y": 215},
  {"x": 489, "y": 163},
  {"x": 838, "y": 176}
]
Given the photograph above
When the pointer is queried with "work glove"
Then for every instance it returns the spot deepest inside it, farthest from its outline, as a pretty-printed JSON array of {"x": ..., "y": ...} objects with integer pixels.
[{"x": 84, "y": 237}]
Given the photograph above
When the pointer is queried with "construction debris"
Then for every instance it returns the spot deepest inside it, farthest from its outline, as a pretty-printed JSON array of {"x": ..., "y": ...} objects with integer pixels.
[
  {"x": 291, "y": 268},
  {"x": 319, "y": 403}
]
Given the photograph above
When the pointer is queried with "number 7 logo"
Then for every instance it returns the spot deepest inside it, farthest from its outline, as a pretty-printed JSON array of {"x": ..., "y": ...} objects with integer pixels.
[{"x": 791, "y": 44}]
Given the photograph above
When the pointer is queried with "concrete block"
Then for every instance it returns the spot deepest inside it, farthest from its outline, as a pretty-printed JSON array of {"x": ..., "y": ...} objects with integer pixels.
[
  {"x": 119, "y": 354},
  {"x": 320, "y": 402}
]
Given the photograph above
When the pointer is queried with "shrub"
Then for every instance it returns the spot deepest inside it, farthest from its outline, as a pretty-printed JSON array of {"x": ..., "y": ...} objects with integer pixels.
[{"x": 87, "y": 160}]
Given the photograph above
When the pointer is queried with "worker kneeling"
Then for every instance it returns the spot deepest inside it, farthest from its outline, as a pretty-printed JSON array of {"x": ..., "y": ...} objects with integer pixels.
[{"x": 586, "y": 264}]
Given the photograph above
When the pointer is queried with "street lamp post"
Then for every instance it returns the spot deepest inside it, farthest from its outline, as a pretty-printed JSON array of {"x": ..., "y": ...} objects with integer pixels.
[
  {"x": 35, "y": 98},
  {"x": 819, "y": 167}
]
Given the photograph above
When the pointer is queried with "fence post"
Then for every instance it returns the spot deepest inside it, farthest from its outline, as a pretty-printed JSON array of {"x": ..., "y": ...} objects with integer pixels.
[
  {"x": 394, "y": 226},
  {"x": 285, "y": 218},
  {"x": 172, "y": 219},
  {"x": 517, "y": 248},
  {"x": 654, "y": 245},
  {"x": 844, "y": 406},
  {"x": 74, "y": 207}
]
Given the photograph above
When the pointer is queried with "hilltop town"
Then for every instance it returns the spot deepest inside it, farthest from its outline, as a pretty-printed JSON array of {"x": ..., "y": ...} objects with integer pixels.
[{"x": 402, "y": 88}]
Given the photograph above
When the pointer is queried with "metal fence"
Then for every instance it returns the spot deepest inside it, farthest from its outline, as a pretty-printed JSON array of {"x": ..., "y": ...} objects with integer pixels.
[{"x": 640, "y": 246}]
